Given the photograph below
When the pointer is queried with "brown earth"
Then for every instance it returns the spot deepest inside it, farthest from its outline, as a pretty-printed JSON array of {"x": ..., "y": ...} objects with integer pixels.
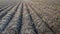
[{"x": 30, "y": 17}]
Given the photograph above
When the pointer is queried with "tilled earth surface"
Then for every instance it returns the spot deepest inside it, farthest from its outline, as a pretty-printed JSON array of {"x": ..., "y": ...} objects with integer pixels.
[{"x": 29, "y": 16}]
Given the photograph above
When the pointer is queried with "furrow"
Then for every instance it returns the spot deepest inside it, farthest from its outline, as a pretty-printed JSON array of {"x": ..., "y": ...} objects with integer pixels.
[
  {"x": 13, "y": 25},
  {"x": 2, "y": 9},
  {"x": 2, "y": 14},
  {"x": 27, "y": 25},
  {"x": 41, "y": 25},
  {"x": 7, "y": 18},
  {"x": 31, "y": 20}
]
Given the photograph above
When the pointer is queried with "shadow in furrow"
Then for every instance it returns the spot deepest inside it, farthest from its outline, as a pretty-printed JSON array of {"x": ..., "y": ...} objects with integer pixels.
[
  {"x": 31, "y": 20},
  {"x": 4, "y": 8},
  {"x": 1, "y": 16},
  {"x": 42, "y": 19},
  {"x": 19, "y": 25},
  {"x": 9, "y": 19},
  {"x": 7, "y": 22},
  {"x": 17, "y": 7}
]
